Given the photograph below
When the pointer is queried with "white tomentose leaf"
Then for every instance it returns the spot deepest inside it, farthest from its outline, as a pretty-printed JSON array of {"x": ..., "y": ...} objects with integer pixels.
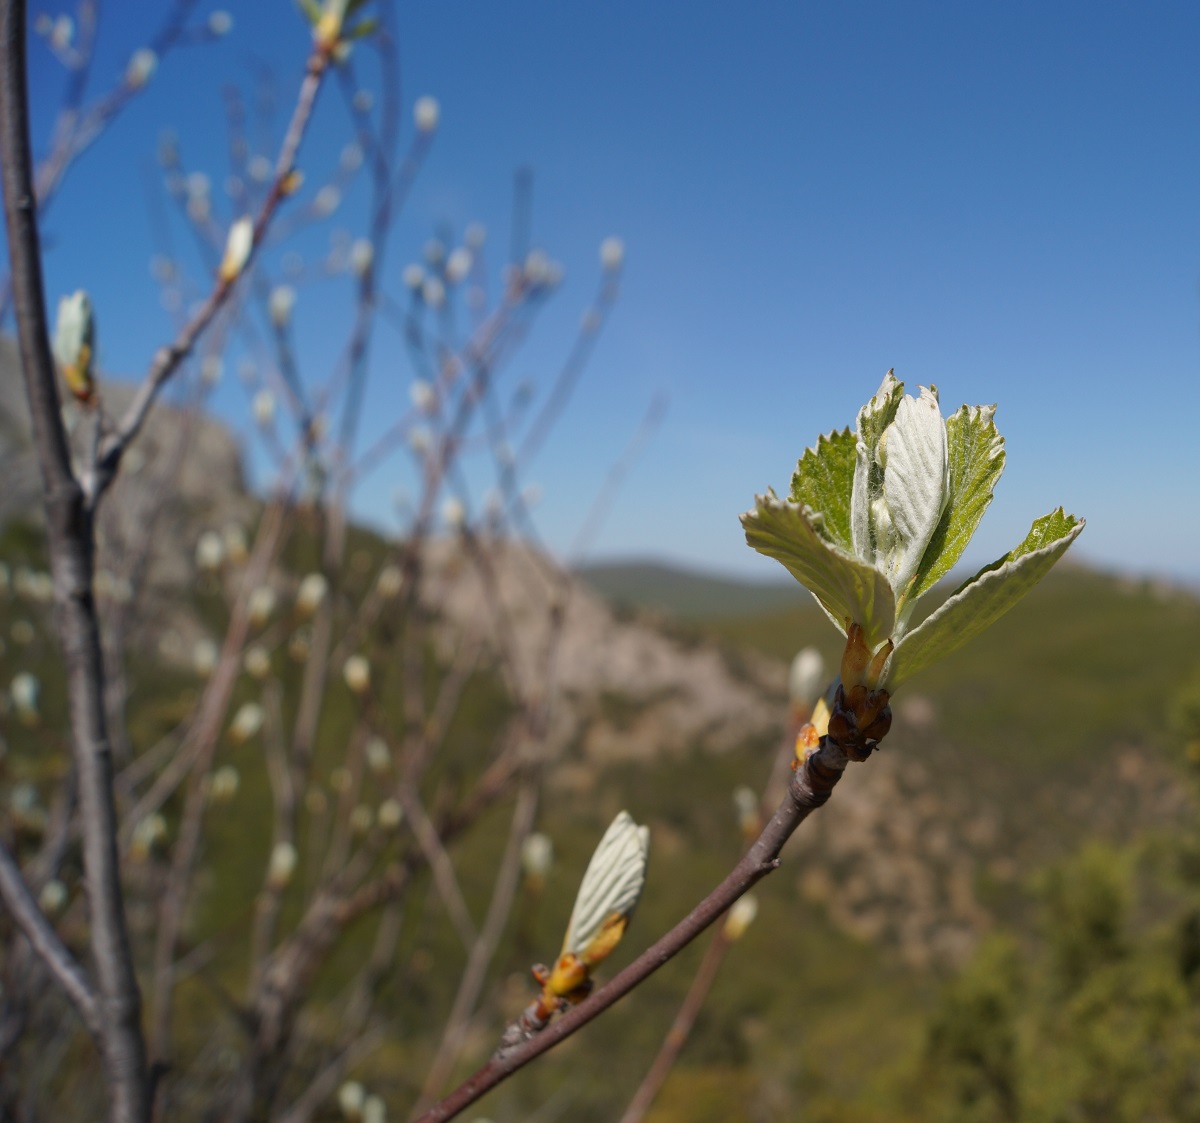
[
  {"x": 847, "y": 588},
  {"x": 612, "y": 883},
  {"x": 984, "y": 598},
  {"x": 915, "y": 482}
]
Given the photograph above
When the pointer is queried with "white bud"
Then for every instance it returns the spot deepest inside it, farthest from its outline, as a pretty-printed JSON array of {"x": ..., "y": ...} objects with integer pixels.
[
  {"x": 141, "y": 68},
  {"x": 374, "y": 1110},
  {"x": 435, "y": 252},
  {"x": 741, "y": 916},
  {"x": 537, "y": 268},
  {"x": 537, "y": 855},
  {"x": 413, "y": 276},
  {"x": 362, "y": 256},
  {"x": 246, "y": 722},
  {"x": 364, "y": 101},
  {"x": 62, "y": 33},
  {"x": 746, "y": 805},
  {"x": 458, "y": 265},
  {"x": 612, "y": 254},
  {"x": 361, "y": 819},
  {"x": 806, "y": 679},
  {"x": 351, "y": 1097},
  {"x": 261, "y": 604},
  {"x": 390, "y": 582},
  {"x": 234, "y": 538},
  {"x": 148, "y": 835},
  {"x": 24, "y": 690},
  {"x": 281, "y": 865},
  {"x": 257, "y": 661},
  {"x": 280, "y": 304},
  {"x": 379, "y": 756},
  {"x": 238, "y": 245},
  {"x": 75, "y": 342},
  {"x": 220, "y": 23},
  {"x": 264, "y": 408},
  {"x": 311, "y": 593},
  {"x": 611, "y": 884},
  {"x": 391, "y": 814},
  {"x": 426, "y": 113},
  {"x": 433, "y": 292},
  {"x": 454, "y": 514},
  {"x": 204, "y": 657},
  {"x": 52, "y": 897},
  {"x": 210, "y": 550},
  {"x": 327, "y": 200},
  {"x": 211, "y": 369},
  {"x": 357, "y": 673},
  {"x": 225, "y": 783},
  {"x": 419, "y": 440},
  {"x": 423, "y": 396},
  {"x": 259, "y": 168}
]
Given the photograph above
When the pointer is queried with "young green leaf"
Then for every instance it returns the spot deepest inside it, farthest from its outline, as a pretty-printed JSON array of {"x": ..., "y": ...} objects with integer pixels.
[
  {"x": 823, "y": 481},
  {"x": 846, "y": 588},
  {"x": 984, "y": 598},
  {"x": 976, "y": 455}
]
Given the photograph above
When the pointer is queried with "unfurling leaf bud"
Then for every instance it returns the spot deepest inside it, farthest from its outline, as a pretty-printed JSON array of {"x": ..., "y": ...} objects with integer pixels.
[
  {"x": 75, "y": 344},
  {"x": 238, "y": 245}
]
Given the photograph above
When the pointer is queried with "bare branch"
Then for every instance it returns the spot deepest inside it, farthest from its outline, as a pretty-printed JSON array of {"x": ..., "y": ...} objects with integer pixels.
[
  {"x": 810, "y": 788},
  {"x": 45, "y": 942}
]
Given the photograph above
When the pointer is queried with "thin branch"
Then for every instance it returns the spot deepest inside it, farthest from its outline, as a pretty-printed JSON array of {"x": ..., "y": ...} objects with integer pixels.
[
  {"x": 810, "y": 788},
  {"x": 69, "y": 531},
  {"x": 168, "y": 358},
  {"x": 45, "y": 942}
]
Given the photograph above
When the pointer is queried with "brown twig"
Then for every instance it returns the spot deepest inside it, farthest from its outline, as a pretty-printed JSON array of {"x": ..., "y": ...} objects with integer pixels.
[
  {"x": 70, "y": 538},
  {"x": 810, "y": 788}
]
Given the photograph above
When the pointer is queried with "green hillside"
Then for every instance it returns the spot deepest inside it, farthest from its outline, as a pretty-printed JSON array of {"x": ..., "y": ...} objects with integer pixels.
[{"x": 687, "y": 594}]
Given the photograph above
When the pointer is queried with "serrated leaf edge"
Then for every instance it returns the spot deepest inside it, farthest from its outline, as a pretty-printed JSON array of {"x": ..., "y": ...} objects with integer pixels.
[{"x": 998, "y": 571}]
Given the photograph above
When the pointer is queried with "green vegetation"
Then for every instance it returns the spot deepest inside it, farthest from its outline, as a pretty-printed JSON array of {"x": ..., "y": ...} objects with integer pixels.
[{"x": 1081, "y": 1005}]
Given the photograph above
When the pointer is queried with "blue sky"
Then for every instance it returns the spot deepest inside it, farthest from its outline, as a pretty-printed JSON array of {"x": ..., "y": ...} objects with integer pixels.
[{"x": 1002, "y": 199}]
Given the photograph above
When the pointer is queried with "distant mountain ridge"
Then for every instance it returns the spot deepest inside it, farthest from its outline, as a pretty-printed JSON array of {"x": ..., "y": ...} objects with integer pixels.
[{"x": 687, "y": 594}]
